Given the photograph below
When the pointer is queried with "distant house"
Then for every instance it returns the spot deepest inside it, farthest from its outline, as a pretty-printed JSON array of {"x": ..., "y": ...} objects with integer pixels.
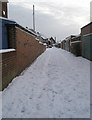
[
  {"x": 51, "y": 42},
  {"x": 58, "y": 44},
  {"x": 67, "y": 42},
  {"x": 42, "y": 38}
]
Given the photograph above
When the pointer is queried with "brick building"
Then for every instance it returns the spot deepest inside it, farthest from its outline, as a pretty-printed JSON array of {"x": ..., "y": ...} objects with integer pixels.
[{"x": 86, "y": 33}]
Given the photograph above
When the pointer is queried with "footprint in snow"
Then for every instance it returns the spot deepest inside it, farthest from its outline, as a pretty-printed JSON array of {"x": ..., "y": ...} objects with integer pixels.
[
  {"x": 23, "y": 110},
  {"x": 12, "y": 103},
  {"x": 74, "y": 89},
  {"x": 69, "y": 110},
  {"x": 44, "y": 88},
  {"x": 69, "y": 100},
  {"x": 38, "y": 107},
  {"x": 30, "y": 98},
  {"x": 55, "y": 92},
  {"x": 40, "y": 96}
]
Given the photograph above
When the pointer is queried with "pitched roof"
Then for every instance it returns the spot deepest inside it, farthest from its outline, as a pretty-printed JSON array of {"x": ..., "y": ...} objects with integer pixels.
[{"x": 87, "y": 25}]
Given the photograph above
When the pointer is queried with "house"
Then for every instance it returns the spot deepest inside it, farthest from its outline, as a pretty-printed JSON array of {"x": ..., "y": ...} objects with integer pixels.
[
  {"x": 51, "y": 42},
  {"x": 42, "y": 38},
  {"x": 67, "y": 42}
]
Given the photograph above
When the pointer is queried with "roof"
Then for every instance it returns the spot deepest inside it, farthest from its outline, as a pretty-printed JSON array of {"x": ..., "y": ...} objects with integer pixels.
[
  {"x": 27, "y": 30},
  {"x": 41, "y": 35},
  {"x": 69, "y": 37},
  {"x": 3, "y": 18},
  {"x": 16, "y": 24},
  {"x": 86, "y": 25}
]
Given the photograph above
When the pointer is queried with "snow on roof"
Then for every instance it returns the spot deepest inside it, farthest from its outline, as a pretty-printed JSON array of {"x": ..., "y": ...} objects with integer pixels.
[
  {"x": 78, "y": 35},
  {"x": 41, "y": 35},
  {"x": 37, "y": 39},
  {"x": 30, "y": 30},
  {"x": 6, "y": 50},
  {"x": 3, "y": 18},
  {"x": 40, "y": 42},
  {"x": 86, "y": 25}
]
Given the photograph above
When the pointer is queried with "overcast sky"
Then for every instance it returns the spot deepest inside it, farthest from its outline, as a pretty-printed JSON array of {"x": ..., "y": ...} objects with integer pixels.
[{"x": 57, "y": 18}]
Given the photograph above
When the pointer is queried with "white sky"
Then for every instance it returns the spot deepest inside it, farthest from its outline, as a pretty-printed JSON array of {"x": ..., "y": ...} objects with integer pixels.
[{"x": 59, "y": 18}]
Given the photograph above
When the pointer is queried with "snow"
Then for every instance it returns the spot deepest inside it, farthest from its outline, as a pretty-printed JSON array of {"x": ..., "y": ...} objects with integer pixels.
[
  {"x": 37, "y": 39},
  {"x": 6, "y": 50},
  {"x": 56, "y": 85},
  {"x": 3, "y": 18},
  {"x": 45, "y": 44},
  {"x": 40, "y": 42}
]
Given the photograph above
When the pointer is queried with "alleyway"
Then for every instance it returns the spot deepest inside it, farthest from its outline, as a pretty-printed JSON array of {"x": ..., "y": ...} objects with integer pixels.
[{"x": 56, "y": 85}]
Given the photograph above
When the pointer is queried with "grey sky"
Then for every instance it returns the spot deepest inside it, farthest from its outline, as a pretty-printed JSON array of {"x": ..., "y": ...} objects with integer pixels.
[{"x": 59, "y": 18}]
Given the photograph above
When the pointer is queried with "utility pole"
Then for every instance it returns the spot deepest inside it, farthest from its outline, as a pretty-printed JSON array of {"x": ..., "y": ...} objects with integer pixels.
[{"x": 33, "y": 17}]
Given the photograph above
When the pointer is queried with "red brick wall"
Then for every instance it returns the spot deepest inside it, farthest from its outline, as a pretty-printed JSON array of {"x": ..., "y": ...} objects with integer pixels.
[
  {"x": 8, "y": 67},
  {"x": 27, "y": 50}
]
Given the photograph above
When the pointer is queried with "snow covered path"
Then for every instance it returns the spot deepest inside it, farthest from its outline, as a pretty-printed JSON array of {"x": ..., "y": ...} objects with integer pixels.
[{"x": 56, "y": 85}]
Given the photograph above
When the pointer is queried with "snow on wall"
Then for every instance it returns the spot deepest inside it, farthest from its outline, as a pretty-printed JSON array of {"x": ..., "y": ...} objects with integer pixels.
[{"x": 6, "y": 50}]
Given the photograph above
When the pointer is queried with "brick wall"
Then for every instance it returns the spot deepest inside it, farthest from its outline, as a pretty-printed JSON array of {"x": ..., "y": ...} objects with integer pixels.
[
  {"x": 86, "y": 33},
  {"x": 86, "y": 29},
  {"x": 11, "y": 36},
  {"x": 8, "y": 67},
  {"x": 27, "y": 50}
]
